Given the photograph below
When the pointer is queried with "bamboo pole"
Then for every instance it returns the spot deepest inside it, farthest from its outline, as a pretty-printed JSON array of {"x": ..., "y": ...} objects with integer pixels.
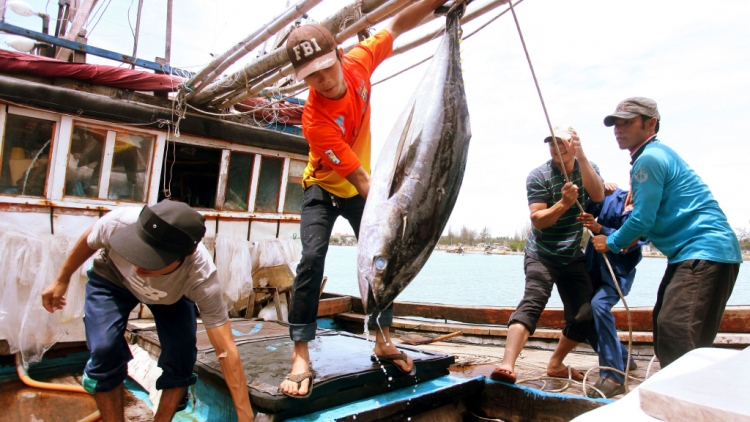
[
  {"x": 137, "y": 32},
  {"x": 168, "y": 42},
  {"x": 400, "y": 49},
  {"x": 368, "y": 19},
  {"x": 221, "y": 63},
  {"x": 274, "y": 59}
]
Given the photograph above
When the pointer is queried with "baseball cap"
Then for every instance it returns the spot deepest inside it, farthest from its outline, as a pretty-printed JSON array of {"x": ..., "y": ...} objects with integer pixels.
[
  {"x": 562, "y": 131},
  {"x": 633, "y": 107},
  {"x": 310, "y": 48},
  {"x": 164, "y": 233}
]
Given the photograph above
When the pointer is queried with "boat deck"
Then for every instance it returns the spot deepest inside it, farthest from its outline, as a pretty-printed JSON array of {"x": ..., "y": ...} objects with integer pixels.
[
  {"x": 480, "y": 360},
  {"x": 348, "y": 384}
]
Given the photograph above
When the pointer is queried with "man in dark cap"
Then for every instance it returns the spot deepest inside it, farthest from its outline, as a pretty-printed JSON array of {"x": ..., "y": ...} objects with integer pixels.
[
  {"x": 676, "y": 211},
  {"x": 336, "y": 124},
  {"x": 152, "y": 255}
]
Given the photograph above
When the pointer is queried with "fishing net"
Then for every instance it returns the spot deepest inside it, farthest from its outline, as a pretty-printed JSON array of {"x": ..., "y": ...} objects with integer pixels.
[{"x": 29, "y": 263}]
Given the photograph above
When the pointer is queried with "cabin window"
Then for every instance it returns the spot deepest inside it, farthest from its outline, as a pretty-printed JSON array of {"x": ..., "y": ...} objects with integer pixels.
[
  {"x": 131, "y": 160},
  {"x": 192, "y": 174},
  {"x": 26, "y": 155},
  {"x": 293, "y": 199},
  {"x": 238, "y": 181},
  {"x": 269, "y": 184},
  {"x": 106, "y": 164},
  {"x": 85, "y": 161}
]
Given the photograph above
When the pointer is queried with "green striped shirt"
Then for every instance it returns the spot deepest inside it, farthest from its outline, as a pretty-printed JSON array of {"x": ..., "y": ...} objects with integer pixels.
[{"x": 560, "y": 243}]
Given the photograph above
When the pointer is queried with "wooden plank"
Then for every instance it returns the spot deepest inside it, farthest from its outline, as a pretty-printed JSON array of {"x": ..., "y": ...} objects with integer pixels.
[
  {"x": 60, "y": 150},
  {"x": 334, "y": 306},
  {"x": 109, "y": 153},
  {"x": 223, "y": 176},
  {"x": 736, "y": 318},
  {"x": 284, "y": 180},
  {"x": 155, "y": 170},
  {"x": 732, "y": 340}
]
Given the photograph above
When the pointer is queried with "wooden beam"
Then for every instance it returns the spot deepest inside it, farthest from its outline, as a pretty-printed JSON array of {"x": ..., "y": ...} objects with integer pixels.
[
  {"x": 79, "y": 19},
  {"x": 736, "y": 318},
  {"x": 334, "y": 306},
  {"x": 88, "y": 49}
]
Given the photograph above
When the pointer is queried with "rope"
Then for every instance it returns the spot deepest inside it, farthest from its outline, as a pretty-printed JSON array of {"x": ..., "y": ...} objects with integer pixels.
[
  {"x": 567, "y": 180},
  {"x": 464, "y": 38}
]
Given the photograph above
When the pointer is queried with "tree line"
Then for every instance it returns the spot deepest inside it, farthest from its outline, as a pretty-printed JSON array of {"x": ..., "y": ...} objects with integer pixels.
[{"x": 472, "y": 237}]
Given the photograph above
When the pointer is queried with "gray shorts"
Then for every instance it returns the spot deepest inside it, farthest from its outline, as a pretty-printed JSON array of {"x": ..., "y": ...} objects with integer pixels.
[{"x": 573, "y": 285}]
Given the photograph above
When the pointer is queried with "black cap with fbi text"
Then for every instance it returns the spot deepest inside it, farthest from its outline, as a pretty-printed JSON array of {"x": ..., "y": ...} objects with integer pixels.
[{"x": 164, "y": 233}]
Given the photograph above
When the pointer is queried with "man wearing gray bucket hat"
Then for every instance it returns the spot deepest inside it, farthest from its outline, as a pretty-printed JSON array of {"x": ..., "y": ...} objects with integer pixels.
[
  {"x": 152, "y": 255},
  {"x": 675, "y": 210}
]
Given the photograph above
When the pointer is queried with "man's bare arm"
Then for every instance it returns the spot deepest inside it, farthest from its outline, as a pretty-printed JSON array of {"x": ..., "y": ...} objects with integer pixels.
[
  {"x": 543, "y": 217},
  {"x": 231, "y": 367},
  {"x": 361, "y": 180},
  {"x": 53, "y": 297},
  {"x": 410, "y": 17}
]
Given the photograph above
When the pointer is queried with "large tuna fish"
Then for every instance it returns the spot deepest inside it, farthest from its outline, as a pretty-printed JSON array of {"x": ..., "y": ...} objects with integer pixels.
[{"x": 416, "y": 179}]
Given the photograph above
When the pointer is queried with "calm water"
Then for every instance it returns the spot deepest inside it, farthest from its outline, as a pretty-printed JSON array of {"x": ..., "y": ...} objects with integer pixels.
[{"x": 493, "y": 280}]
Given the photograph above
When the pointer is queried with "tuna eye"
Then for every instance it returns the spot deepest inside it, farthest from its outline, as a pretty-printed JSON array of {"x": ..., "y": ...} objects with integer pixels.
[{"x": 380, "y": 263}]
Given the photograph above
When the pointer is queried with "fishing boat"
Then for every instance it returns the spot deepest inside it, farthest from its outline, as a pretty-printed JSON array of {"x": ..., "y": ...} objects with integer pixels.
[{"x": 80, "y": 140}]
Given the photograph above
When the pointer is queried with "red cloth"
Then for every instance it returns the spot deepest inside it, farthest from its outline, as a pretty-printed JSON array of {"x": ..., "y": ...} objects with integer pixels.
[
  {"x": 117, "y": 77},
  {"x": 137, "y": 80}
]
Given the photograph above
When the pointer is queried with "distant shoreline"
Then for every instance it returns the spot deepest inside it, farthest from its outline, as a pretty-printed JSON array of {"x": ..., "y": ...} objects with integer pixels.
[{"x": 480, "y": 250}]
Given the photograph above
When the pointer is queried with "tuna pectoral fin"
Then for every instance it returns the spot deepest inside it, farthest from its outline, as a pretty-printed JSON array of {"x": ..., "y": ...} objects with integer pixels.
[{"x": 397, "y": 170}]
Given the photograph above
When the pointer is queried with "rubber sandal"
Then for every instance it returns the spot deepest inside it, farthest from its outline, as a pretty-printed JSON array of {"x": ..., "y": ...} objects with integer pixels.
[
  {"x": 567, "y": 373},
  {"x": 503, "y": 375},
  {"x": 609, "y": 389},
  {"x": 394, "y": 357},
  {"x": 298, "y": 378}
]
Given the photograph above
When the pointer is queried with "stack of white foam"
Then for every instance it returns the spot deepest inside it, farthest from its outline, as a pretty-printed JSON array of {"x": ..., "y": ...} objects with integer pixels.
[{"x": 706, "y": 384}]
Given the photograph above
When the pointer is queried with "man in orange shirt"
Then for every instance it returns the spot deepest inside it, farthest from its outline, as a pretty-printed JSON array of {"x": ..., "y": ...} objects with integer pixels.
[{"x": 336, "y": 123}]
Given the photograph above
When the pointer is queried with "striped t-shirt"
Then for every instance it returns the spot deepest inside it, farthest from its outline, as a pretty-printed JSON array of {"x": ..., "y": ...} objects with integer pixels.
[{"x": 559, "y": 244}]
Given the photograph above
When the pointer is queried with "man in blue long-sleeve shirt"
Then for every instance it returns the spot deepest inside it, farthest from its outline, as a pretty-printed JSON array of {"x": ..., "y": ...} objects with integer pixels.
[
  {"x": 605, "y": 218},
  {"x": 676, "y": 211}
]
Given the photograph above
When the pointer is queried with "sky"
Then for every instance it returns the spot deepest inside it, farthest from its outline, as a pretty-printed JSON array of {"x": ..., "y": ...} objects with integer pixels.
[{"x": 692, "y": 57}]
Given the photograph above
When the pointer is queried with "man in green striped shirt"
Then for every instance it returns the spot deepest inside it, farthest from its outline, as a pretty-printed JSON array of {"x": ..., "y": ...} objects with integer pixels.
[{"x": 553, "y": 253}]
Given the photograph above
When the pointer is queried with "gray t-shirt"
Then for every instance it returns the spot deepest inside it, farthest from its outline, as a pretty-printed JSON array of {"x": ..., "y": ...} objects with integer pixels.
[{"x": 195, "y": 278}]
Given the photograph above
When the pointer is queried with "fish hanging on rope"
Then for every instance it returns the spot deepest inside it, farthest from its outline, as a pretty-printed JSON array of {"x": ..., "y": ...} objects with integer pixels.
[{"x": 416, "y": 180}]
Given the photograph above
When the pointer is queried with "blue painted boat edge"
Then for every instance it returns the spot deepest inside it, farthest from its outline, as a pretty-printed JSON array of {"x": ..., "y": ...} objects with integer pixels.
[
  {"x": 540, "y": 394},
  {"x": 407, "y": 393},
  {"x": 73, "y": 362}
]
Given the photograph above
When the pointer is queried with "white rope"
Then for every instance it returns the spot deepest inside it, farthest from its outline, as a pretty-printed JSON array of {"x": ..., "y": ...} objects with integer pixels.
[{"x": 567, "y": 180}]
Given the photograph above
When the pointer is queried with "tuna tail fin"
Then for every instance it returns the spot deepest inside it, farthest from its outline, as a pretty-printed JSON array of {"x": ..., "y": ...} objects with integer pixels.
[{"x": 398, "y": 165}]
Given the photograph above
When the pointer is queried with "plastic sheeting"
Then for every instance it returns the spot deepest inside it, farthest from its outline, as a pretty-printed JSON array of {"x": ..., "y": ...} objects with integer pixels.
[
  {"x": 268, "y": 313},
  {"x": 237, "y": 259},
  {"x": 29, "y": 262}
]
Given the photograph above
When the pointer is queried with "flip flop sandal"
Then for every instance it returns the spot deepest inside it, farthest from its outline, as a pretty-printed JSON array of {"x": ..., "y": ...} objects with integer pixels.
[
  {"x": 567, "y": 373},
  {"x": 298, "y": 378},
  {"x": 503, "y": 375},
  {"x": 394, "y": 357}
]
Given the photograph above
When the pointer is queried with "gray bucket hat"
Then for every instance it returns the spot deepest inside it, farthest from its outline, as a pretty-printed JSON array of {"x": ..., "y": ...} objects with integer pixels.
[
  {"x": 633, "y": 107},
  {"x": 164, "y": 233}
]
